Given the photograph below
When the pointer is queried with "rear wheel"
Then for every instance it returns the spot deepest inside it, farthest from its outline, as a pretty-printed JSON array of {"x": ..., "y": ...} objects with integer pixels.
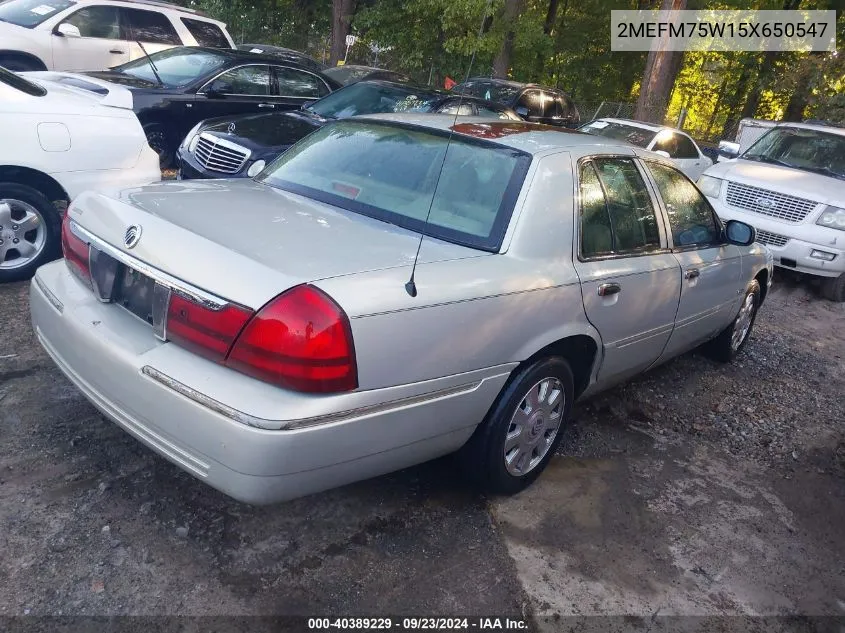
[
  {"x": 518, "y": 438},
  {"x": 833, "y": 288},
  {"x": 160, "y": 142},
  {"x": 29, "y": 231},
  {"x": 733, "y": 338}
]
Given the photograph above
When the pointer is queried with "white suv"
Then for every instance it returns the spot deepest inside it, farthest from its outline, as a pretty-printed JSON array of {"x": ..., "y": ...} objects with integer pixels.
[
  {"x": 97, "y": 34},
  {"x": 790, "y": 185}
]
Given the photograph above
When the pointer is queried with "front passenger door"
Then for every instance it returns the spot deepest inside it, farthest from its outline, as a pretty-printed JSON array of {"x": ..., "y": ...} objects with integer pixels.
[
  {"x": 630, "y": 282},
  {"x": 93, "y": 41},
  {"x": 242, "y": 90},
  {"x": 712, "y": 269}
]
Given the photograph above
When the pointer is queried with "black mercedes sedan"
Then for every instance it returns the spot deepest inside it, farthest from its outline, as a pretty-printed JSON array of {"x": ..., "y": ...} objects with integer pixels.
[
  {"x": 532, "y": 102},
  {"x": 231, "y": 147},
  {"x": 176, "y": 88}
]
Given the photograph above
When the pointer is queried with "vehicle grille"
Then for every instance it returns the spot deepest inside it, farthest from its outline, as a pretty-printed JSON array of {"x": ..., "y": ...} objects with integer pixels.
[
  {"x": 771, "y": 203},
  {"x": 771, "y": 239},
  {"x": 217, "y": 154}
]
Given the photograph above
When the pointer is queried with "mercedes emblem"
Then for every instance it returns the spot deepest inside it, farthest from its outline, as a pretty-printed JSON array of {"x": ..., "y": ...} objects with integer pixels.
[{"x": 231, "y": 128}]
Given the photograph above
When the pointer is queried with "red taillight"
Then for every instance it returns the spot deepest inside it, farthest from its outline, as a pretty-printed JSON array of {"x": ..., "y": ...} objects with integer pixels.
[
  {"x": 300, "y": 340},
  {"x": 206, "y": 332},
  {"x": 75, "y": 252}
]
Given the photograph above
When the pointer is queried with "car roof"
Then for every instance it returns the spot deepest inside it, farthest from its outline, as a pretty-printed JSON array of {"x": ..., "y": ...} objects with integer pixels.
[
  {"x": 234, "y": 54},
  {"x": 156, "y": 4},
  {"x": 501, "y": 82},
  {"x": 532, "y": 138},
  {"x": 443, "y": 94},
  {"x": 653, "y": 127},
  {"x": 832, "y": 128}
]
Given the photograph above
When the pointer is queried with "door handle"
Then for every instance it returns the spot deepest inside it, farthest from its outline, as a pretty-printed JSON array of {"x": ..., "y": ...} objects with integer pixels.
[
  {"x": 692, "y": 273},
  {"x": 266, "y": 105},
  {"x": 117, "y": 52},
  {"x": 606, "y": 290}
]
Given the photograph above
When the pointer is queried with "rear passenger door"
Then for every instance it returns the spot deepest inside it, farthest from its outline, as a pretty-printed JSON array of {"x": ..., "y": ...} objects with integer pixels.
[
  {"x": 151, "y": 28},
  {"x": 630, "y": 282},
  {"x": 712, "y": 269}
]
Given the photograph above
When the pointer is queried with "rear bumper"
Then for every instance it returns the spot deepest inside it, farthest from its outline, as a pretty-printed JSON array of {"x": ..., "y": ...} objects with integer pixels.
[
  {"x": 104, "y": 351},
  {"x": 803, "y": 239}
]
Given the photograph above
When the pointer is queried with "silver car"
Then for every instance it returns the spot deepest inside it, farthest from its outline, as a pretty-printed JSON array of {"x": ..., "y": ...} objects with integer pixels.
[{"x": 272, "y": 338}]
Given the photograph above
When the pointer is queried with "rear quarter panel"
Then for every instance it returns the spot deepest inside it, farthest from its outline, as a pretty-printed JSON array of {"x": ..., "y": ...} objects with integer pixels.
[{"x": 479, "y": 312}]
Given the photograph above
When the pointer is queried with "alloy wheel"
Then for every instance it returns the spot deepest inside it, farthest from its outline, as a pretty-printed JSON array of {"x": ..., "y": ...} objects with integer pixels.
[
  {"x": 23, "y": 233},
  {"x": 534, "y": 425}
]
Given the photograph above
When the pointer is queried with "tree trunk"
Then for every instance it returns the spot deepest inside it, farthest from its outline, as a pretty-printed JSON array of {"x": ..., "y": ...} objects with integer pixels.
[
  {"x": 548, "y": 31},
  {"x": 661, "y": 69},
  {"x": 342, "y": 12},
  {"x": 502, "y": 63},
  {"x": 800, "y": 98}
]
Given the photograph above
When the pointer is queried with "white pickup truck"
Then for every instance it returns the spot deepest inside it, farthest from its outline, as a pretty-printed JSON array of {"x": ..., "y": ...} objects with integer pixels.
[
  {"x": 790, "y": 185},
  {"x": 61, "y": 135}
]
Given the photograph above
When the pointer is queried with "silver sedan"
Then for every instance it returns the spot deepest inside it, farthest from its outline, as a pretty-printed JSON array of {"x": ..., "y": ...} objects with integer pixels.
[{"x": 272, "y": 337}]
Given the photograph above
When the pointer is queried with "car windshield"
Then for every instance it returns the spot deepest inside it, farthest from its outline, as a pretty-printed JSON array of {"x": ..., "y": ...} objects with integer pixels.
[
  {"x": 801, "y": 148},
  {"x": 31, "y": 13},
  {"x": 391, "y": 172},
  {"x": 488, "y": 90},
  {"x": 177, "y": 67},
  {"x": 619, "y": 132},
  {"x": 372, "y": 98},
  {"x": 17, "y": 82}
]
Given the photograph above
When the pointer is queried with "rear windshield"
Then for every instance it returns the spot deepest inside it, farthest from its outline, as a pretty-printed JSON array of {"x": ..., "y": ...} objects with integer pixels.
[
  {"x": 489, "y": 91},
  {"x": 373, "y": 98},
  {"x": 620, "y": 132},
  {"x": 31, "y": 13},
  {"x": 389, "y": 171},
  {"x": 177, "y": 67}
]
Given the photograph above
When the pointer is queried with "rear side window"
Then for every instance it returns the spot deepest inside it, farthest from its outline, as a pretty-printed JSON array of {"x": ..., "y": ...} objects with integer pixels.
[
  {"x": 97, "y": 22},
  {"x": 149, "y": 27},
  {"x": 628, "y": 214},
  {"x": 297, "y": 83},
  {"x": 686, "y": 148},
  {"x": 206, "y": 33},
  {"x": 252, "y": 81}
]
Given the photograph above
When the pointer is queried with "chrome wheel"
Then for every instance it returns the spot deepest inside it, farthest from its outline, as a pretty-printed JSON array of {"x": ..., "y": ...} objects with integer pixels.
[
  {"x": 534, "y": 425},
  {"x": 743, "y": 321},
  {"x": 23, "y": 233}
]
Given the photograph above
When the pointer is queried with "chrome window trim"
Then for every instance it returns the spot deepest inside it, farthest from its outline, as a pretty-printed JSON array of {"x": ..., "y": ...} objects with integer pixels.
[
  {"x": 206, "y": 299},
  {"x": 271, "y": 66}
]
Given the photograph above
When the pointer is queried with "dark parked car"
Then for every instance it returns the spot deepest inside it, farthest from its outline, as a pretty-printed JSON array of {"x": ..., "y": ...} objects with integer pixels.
[
  {"x": 351, "y": 73},
  {"x": 241, "y": 146},
  {"x": 176, "y": 88},
  {"x": 284, "y": 54},
  {"x": 531, "y": 101}
]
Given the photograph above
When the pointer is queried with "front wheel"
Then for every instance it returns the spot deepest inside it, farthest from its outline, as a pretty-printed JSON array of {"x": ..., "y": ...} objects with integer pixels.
[
  {"x": 518, "y": 438},
  {"x": 833, "y": 288},
  {"x": 733, "y": 338},
  {"x": 160, "y": 142},
  {"x": 29, "y": 231}
]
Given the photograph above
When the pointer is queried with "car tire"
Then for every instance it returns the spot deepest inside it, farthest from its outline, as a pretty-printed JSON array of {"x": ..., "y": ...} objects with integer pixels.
[
  {"x": 833, "y": 288},
  {"x": 19, "y": 64},
  {"x": 161, "y": 143},
  {"x": 44, "y": 238},
  {"x": 495, "y": 457},
  {"x": 733, "y": 339}
]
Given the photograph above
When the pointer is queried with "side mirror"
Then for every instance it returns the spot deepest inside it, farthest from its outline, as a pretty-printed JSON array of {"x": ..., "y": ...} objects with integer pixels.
[
  {"x": 67, "y": 30},
  {"x": 218, "y": 90},
  {"x": 662, "y": 153},
  {"x": 728, "y": 149},
  {"x": 740, "y": 233},
  {"x": 521, "y": 111}
]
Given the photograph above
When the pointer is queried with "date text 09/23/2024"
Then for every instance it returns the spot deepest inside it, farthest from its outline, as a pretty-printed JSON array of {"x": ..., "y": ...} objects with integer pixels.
[{"x": 418, "y": 623}]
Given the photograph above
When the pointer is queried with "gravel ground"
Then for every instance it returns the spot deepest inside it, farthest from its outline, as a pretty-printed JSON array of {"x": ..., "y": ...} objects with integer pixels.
[{"x": 93, "y": 523}]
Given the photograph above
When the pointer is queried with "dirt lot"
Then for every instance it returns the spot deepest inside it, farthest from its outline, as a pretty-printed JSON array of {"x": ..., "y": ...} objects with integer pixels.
[{"x": 699, "y": 489}]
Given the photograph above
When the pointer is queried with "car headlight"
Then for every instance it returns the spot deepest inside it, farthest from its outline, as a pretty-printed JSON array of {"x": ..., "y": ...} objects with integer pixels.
[
  {"x": 832, "y": 218},
  {"x": 256, "y": 168},
  {"x": 193, "y": 136},
  {"x": 710, "y": 186}
]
